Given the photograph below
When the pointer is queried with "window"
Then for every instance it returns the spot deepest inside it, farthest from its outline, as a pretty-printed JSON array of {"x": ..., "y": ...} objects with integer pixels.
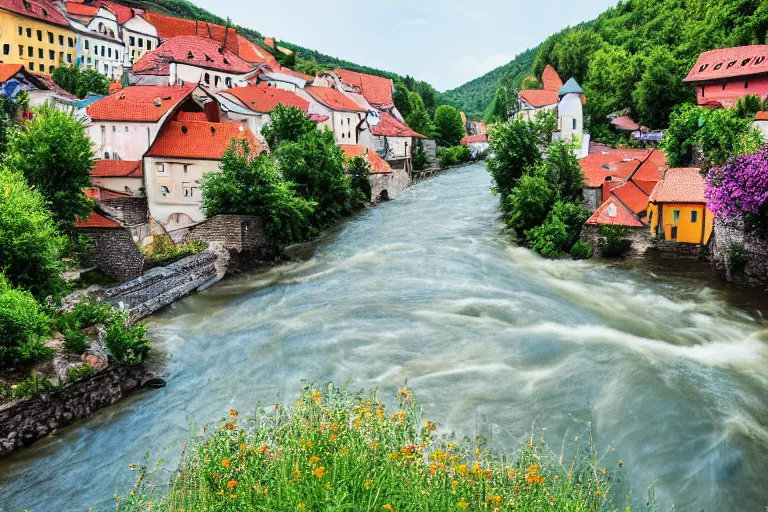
[
  {"x": 723, "y": 85},
  {"x": 106, "y": 155},
  {"x": 126, "y": 129},
  {"x": 40, "y": 53},
  {"x": 106, "y": 68},
  {"x": 21, "y": 30},
  {"x": 694, "y": 217},
  {"x": 103, "y": 135},
  {"x": 673, "y": 234},
  {"x": 676, "y": 216},
  {"x": 185, "y": 168},
  {"x": 702, "y": 91},
  {"x": 161, "y": 170},
  {"x": 50, "y": 37},
  {"x": 109, "y": 52},
  {"x": 69, "y": 58},
  {"x": 31, "y": 66},
  {"x": 228, "y": 82},
  {"x": 187, "y": 188},
  {"x": 102, "y": 51},
  {"x": 21, "y": 50},
  {"x": 575, "y": 124},
  {"x": 6, "y": 49},
  {"x": 164, "y": 190},
  {"x": 51, "y": 55},
  {"x": 216, "y": 81},
  {"x": 42, "y": 67},
  {"x": 61, "y": 56},
  {"x": 61, "y": 40},
  {"x": 39, "y": 35},
  {"x": 29, "y": 32},
  {"x": 132, "y": 41},
  {"x": 149, "y": 45},
  {"x": 114, "y": 129},
  {"x": 207, "y": 79},
  {"x": 86, "y": 45},
  {"x": 746, "y": 84},
  {"x": 141, "y": 42},
  {"x": 30, "y": 51}
]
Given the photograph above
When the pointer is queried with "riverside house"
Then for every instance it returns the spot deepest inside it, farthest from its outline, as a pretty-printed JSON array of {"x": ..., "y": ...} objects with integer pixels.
[
  {"x": 98, "y": 45},
  {"x": 677, "y": 210},
  {"x": 35, "y": 34},
  {"x": 345, "y": 118},
  {"x": 723, "y": 76},
  {"x": 532, "y": 101},
  {"x": 258, "y": 101},
  {"x": 394, "y": 141}
]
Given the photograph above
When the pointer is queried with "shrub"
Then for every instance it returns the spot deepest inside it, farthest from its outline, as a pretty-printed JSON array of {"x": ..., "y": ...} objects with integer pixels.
[
  {"x": 454, "y": 155},
  {"x": 449, "y": 126},
  {"x": 419, "y": 158},
  {"x": 23, "y": 326},
  {"x": 740, "y": 187},
  {"x": 31, "y": 386},
  {"x": 418, "y": 117},
  {"x": 515, "y": 146},
  {"x": 737, "y": 258},
  {"x": 334, "y": 450},
  {"x": 615, "y": 245},
  {"x": 581, "y": 250},
  {"x": 30, "y": 245},
  {"x": 563, "y": 171},
  {"x": 75, "y": 342},
  {"x": 287, "y": 124},
  {"x": 76, "y": 373},
  {"x": 560, "y": 231},
  {"x": 359, "y": 170},
  {"x": 529, "y": 203},
  {"x": 163, "y": 248},
  {"x": 748, "y": 106},
  {"x": 80, "y": 82}
]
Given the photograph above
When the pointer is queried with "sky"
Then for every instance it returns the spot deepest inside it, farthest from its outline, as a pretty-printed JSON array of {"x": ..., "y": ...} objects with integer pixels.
[{"x": 446, "y": 42}]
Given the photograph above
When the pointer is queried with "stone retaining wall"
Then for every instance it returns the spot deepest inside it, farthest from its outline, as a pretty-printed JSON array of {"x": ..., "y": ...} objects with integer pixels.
[
  {"x": 114, "y": 252},
  {"x": 393, "y": 184},
  {"x": 23, "y": 423},
  {"x": 730, "y": 232},
  {"x": 640, "y": 239}
]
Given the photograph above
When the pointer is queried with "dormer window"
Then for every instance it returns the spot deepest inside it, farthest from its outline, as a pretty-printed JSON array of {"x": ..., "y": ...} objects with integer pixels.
[
  {"x": 745, "y": 61},
  {"x": 718, "y": 66},
  {"x": 190, "y": 56},
  {"x": 703, "y": 67},
  {"x": 759, "y": 60},
  {"x": 731, "y": 64}
]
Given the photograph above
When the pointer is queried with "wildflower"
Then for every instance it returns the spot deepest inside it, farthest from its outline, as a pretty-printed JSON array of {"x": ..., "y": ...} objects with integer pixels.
[
  {"x": 296, "y": 472},
  {"x": 226, "y": 463},
  {"x": 262, "y": 448},
  {"x": 319, "y": 472},
  {"x": 313, "y": 460},
  {"x": 476, "y": 470},
  {"x": 511, "y": 475},
  {"x": 220, "y": 493},
  {"x": 494, "y": 500},
  {"x": 301, "y": 506},
  {"x": 429, "y": 426},
  {"x": 404, "y": 393},
  {"x": 462, "y": 469},
  {"x": 266, "y": 491},
  {"x": 233, "y": 413},
  {"x": 604, "y": 470},
  {"x": 463, "y": 503},
  {"x": 533, "y": 469},
  {"x": 233, "y": 496},
  {"x": 379, "y": 414},
  {"x": 621, "y": 464},
  {"x": 334, "y": 437},
  {"x": 516, "y": 489},
  {"x": 454, "y": 484},
  {"x": 598, "y": 492},
  {"x": 388, "y": 508},
  {"x": 553, "y": 499},
  {"x": 328, "y": 486},
  {"x": 393, "y": 455},
  {"x": 368, "y": 483},
  {"x": 229, "y": 426},
  {"x": 242, "y": 447},
  {"x": 231, "y": 484},
  {"x": 316, "y": 396}
]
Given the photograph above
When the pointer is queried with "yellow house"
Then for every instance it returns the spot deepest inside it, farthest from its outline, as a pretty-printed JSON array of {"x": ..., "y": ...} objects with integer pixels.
[
  {"x": 35, "y": 34},
  {"x": 677, "y": 208}
]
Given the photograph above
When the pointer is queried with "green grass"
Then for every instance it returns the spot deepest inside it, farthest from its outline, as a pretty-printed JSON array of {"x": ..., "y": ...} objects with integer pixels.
[{"x": 340, "y": 451}]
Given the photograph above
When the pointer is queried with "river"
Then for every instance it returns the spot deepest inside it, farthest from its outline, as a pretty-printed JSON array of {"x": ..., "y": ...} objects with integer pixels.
[{"x": 670, "y": 368}]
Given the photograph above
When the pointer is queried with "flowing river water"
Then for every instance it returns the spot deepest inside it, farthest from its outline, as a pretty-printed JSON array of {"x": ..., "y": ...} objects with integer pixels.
[{"x": 670, "y": 368}]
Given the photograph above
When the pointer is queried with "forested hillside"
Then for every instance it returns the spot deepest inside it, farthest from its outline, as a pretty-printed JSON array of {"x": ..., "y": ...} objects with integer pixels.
[{"x": 634, "y": 56}]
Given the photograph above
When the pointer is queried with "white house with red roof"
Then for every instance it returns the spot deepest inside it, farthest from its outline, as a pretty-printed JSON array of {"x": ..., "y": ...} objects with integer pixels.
[
  {"x": 344, "y": 117},
  {"x": 184, "y": 151},
  {"x": 723, "y": 76},
  {"x": 258, "y": 102},
  {"x": 386, "y": 183},
  {"x": 125, "y": 124},
  {"x": 139, "y": 37},
  {"x": 394, "y": 141},
  {"x": 121, "y": 176},
  {"x": 99, "y": 45},
  {"x": 191, "y": 59},
  {"x": 532, "y": 101}
]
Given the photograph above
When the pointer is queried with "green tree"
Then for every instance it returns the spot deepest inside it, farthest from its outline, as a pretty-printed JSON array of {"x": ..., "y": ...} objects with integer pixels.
[
  {"x": 308, "y": 67},
  {"x": 572, "y": 53},
  {"x": 53, "y": 153},
  {"x": 288, "y": 124},
  {"x": 23, "y": 326},
  {"x": 80, "y": 82},
  {"x": 253, "y": 186},
  {"x": 359, "y": 171},
  {"x": 529, "y": 203},
  {"x": 516, "y": 151},
  {"x": 748, "y": 106},
  {"x": 418, "y": 119},
  {"x": 401, "y": 99},
  {"x": 449, "y": 126},
  {"x": 679, "y": 139},
  {"x": 611, "y": 78},
  {"x": 498, "y": 110},
  {"x": 30, "y": 245},
  {"x": 563, "y": 172},
  {"x": 560, "y": 231},
  {"x": 529, "y": 83},
  {"x": 661, "y": 87}
]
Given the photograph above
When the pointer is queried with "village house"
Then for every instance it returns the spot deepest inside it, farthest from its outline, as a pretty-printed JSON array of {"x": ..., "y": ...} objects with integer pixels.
[
  {"x": 34, "y": 33},
  {"x": 533, "y": 101},
  {"x": 125, "y": 124},
  {"x": 394, "y": 141},
  {"x": 121, "y": 176},
  {"x": 259, "y": 100},
  {"x": 723, "y": 76},
  {"x": 386, "y": 183},
  {"x": 169, "y": 27},
  {"x": 190, "y": 59},
  {"x": 186, "y": 149},
  {"x": 376, "y": 90},
  {"x": 346, "y": 119},
  {"x": 677, "y": 209},
  {"x": 478, "y": 144},
  {"x": 281, "y": 78},
  {"x": 98, "y": 44},
  {"x": 139, "y": 37}
]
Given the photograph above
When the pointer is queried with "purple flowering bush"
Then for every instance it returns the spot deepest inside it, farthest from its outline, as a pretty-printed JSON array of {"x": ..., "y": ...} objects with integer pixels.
[{"x": 740, "y": 187}]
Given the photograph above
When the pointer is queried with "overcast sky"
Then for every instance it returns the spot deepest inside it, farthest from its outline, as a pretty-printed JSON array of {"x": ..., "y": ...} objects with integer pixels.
[{"x": 445, "y": 42}]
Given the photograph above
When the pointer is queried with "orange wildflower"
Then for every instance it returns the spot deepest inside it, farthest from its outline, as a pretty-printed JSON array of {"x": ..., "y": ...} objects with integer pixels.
[
  {"x": 313, "y": 460},
  {"x": 388, "y": 508},
  {"x": 226, "y": 463},
  {"x": 233, "y": 413},
  {"x": 334, "y": 437},
  {"x": 463, "y": 503},
  {"x": 231, "y": 484},
  {"x": 319, "y": 472}
]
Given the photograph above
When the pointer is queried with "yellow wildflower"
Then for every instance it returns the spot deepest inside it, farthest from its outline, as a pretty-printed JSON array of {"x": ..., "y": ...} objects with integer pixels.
[
  {"x": 225, "y": 463},
  {"x": 368, "y": 483},
  {"x": 463, "y": 503},
  {"x": 388, "y": 508},
  {"x": 301, "y": 506},
  {"x": 462, "y": 469},
  {"x": 313, "y": 459},
  {"x": 316, "y": 396}
]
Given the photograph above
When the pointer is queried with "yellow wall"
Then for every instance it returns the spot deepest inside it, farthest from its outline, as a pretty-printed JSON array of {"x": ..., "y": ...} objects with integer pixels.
[
  {"x": 698, "y": 232},
  {"x": 10, "y": 41}
]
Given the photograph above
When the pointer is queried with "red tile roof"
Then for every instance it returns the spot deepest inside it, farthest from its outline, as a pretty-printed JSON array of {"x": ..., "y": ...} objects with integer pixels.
[
  {"x": 96, "y": 220},
  {"x": 121, "y": 12},
  {"x": 78, "y": 9},
  {"x": 194, "y": 51},
  {"x": 539, "y": 98},
  {"x": 761, "y": 116},
  {"x": 264, "y": 99},
  {"x": 612, "y": 212},
  {"x": 191, "y": 116},
  {"x": 375, "y": 89},
  {"x": 117, "y": 169},
  {"x": 200, "y": 141},
  {"x": 269, "y": 41},
  {"x": 619, "y": 164},
  {"x": 378, "y": 164},
  {"x": 469, "y": 139},
  {"x": 291, "y": 72},
  {"x": 8, "y": 71},
  {"x": 730, "y": 63},
  {"x": 253, "y": 53},
  {"x": 390, "y": 127},
  {"x": 333, "y": 99},
  {"x": 169, "y": 27},
  {"x": 684, "y": 185},
  {"x": 632, "y": 196},
  {"x": 137, "y": 103},
  {"x": 37, "y": 9},
  {"x": 625, "y": 123},
  {"x": 550, "y": 79}
]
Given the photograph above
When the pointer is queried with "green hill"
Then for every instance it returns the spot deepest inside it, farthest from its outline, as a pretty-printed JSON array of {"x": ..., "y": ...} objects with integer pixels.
[{"x": 633, "y": 56}]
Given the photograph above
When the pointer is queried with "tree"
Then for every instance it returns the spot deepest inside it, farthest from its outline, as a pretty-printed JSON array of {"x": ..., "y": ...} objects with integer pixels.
[
  {"x": 529, "y": 203},
  {"x": 80, "y": 82},
  {"x": 308, "y": 67},
  {"x": 449, "y": 126},
  {"x": 748, "y": 106},
  {"x": 30, "y": 244},
  {"x": 529, "y": 83},
  {"x": 359, "y": 171},
  {"x": 252, "y": 186},
  {"x": 560, "y": 231},
  {"x": 572, "y": 53},
  {"x": 401, "y": 99},
  {"x": 516, "y": 151},
  {"x": 23, "y": 326},
  {"x": 53, "y": 153},
  {"x": 563, "y": 172},
  {"x": 288, "y": 124},
  {"x": 679, "y": 139},
  {"x": 498, "y": 110},
  {"x": 661, "y": 87},
  {"x": 418, "y": 119},
  {"x": 611, "y": 78},
  {"x": 10, "y": 110}
]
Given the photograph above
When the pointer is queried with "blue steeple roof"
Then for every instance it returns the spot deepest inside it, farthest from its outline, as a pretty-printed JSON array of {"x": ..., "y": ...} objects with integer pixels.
[{"x": 571, "y": 86}]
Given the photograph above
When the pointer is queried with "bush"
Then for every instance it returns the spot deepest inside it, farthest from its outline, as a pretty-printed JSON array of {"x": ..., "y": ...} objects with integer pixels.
[
  {"x": 515, "y": 146},
  {"x": 563, "y": 171},
  {"x": 76, "y": 373},
  {"x": 23, "y": 327},
  {"x": 359, "y": 170},
  {"x": 30, "y": 245},
  {"x": 31, "y": 387},
  {"x": 615, "y": 245},
  {"x": 163, "y": 248},
  {"x": 581, "y": 250},
  {"x": 454, "y": 155},
  {"x": 737, "y": 258},
  {"x": 80, "y": 82},
  {"x": 560, "y": 231},
  {"x": 449, "y": 126},
  {"x": 419, "y": 158},
  {"x": 75, "y": 342},
  {"x": 529, "y": 203},
  {"x": 334, "y": 450},
  {"x": 740, "y": 188}
]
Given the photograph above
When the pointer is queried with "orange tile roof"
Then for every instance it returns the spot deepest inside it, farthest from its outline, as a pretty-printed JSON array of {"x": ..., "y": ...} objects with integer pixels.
[
  {"x": 613, "y": 212},
  {"x": 625, "y": 123},
  {"x": 550, "y": 79},
  {"x": 333, "y": 99},
  {"x": 729, "y": 63},
  {"x": 8, "y": 71},
  {"x": 96, "y": 220},
  {"x": 37, "y": 9},
  {"x": 137, "y": 103},
  {"x": 194, "y": 51},
  {"x": 121, "y": 12},
  {"x": 390, "y": 127},
  {"x": 296, "y": 74},
  {"x": 378, "y": 164},
  {"x": 169, "y": 27},
  {"x": 253, "y": 53},
  {"x": 78, "y": 9},
  {"x": 264, "y": 99},
  {"x": 269, "y": 41},
  {"x": 200, "y": 140},
  {"x": 117, "y": 169},
  {"x": 375, "y": 89},
  {"x": 761, "y": 116},
  {"x": 539, "y": 98},
  {"x": 632, "y": 196},
  {"x": 620, "y": 164},
  {"x": 685, "y": 185},
  {"x": 469, "y": 139}
]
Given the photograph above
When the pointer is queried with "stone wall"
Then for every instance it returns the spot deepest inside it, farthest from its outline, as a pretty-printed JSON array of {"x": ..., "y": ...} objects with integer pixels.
[
  {"x": 592, "y": 198},
  {"x": 639, "y": 238},
  {"x": 23, "y": 423},
  {"x": 429, "y": 146},
  {"x": 114, "y": 252},
  {"x": 393, "y": 184},
  {"x": 129, "y": 211},
  {"x": 239, "y": 233},
  {"x": 162, "y": 286},
  {"x": 728, "y": 233}
]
